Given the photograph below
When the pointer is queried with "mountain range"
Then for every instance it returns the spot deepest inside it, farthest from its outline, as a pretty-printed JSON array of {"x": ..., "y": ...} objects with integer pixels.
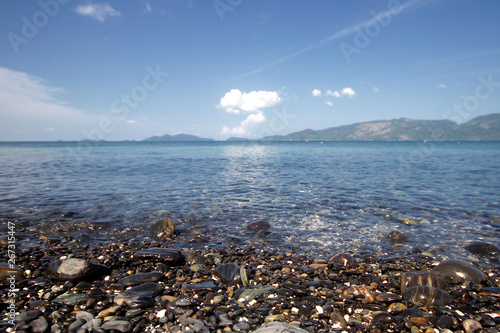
[{"x": 482, "y": 128}]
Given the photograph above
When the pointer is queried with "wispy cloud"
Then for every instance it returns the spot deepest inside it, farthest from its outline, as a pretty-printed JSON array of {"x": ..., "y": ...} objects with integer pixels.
[
  {"x": 442, "y": 86},
  {"x": 339, "y": 34},
  {"x": 100, "y": 12}
]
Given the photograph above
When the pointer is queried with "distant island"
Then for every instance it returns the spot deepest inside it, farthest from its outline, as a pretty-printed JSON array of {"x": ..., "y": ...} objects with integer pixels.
[
  {"x": 177, "y": 137},
  {"x": 482, "y": 128}
]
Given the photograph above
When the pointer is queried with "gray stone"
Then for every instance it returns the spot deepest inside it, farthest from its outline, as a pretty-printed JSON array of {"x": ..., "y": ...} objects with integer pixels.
[
  {"x": 39, "y": 325},
  {"x": 73, "y": 269},
  {"x": 119, "y": 325},
  {"x": 278, "y": 327},
  {"x": 84, "y": 315},
  {"x": 136, "y": 279},
  {"x": 169, "y": 256}
]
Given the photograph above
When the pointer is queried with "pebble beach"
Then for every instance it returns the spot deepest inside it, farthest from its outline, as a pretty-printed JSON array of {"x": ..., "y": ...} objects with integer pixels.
[{"x": 153, "y": 286}]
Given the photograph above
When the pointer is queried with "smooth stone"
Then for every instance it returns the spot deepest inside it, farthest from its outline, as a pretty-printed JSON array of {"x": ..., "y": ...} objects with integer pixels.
[
  {"x": 384, "y": 317},
  {"x": 84, "y": 315},
  {"x": 76, "y": 325},
  {"x": 444, "y": 321},
  {"x": 72, "y": 269},
  {"x": 396, "y": 237},
  {"x": 136, "y": 279},
  {"x": 207, "y": 285},
  {"x": 459, "y": 271},
  {"x": 249, "y": 294},
  {"x": 427, "y": 296},
  {"x": 91, "y": 324},
  {"x": 163, "y": 229},
  {"x": 230, "y": 272},
  {"x": 119, "y": 325},
  {"x": 368, "y": 295},
  {"x": 483, "y": 249},
  {"x": 256, "y": 226},
  {"x": 39, "y": 325},
  {"x": 71, "y": 299},
  {"x": 296, "y": 288},
  {"x": 9, "y": 273},
  {"x": 337, "y": 321},
  {"x": 151, "y": 287},
  {"x": 28, "y": 315},
  {"x": 431, "y": 279},
  {"x": 279, "y": 327},
  {"x": 109, "y": 311},
  {"x": 196, "y": 325},
  {"x": 344, "y": 259},
  {"x": 135, "y": 300},
  {"x": 471, "y": 325},
  {"x": 140, "y": 296},
  {"x": 172, "y": 257},
  {"x": 241, "y": 327}
]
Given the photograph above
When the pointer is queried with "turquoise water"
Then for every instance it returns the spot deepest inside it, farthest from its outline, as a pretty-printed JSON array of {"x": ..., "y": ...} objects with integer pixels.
[{"x": 318, "y": 197}]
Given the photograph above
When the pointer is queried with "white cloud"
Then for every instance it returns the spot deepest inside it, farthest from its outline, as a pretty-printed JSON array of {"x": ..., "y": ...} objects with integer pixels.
[
  {"x": 99, "y": 12},
  {"x": 329, "y": 103},
  {"x": 333, "y": 93},
  {"x": 348, "y": 92},
  {"x": 148, "y": 7},
  {"x": 316, "y": 92},
  {"x": 375, "y": 89},
  {"x": 236, "y": 101},
  {"x": 442, "y": 86}
]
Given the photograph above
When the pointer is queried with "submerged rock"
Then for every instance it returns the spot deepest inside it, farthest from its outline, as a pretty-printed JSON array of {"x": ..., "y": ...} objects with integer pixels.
[
  {"x": 483, "y": 249},
  {"x": 343, "y": 259},
  {"x": 459, "y": 271},
  {"x": 73, "y": 269},
  {"x": 257, "y": 226},
  {"x": 396, "y": 237},
  {"x": 163, "y": 229}
]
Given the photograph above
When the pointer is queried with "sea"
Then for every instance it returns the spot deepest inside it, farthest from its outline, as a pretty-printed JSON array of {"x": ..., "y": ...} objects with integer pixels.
[{"x": 319, "y": 198}]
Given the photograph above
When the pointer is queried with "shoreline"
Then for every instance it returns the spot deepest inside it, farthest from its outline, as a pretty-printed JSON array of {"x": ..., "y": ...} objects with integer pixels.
[{"x": 215, "y": 290}]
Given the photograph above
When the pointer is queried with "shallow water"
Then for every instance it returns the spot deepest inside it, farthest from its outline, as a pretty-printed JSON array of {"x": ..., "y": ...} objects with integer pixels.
[{"x": 318, "y": 197}]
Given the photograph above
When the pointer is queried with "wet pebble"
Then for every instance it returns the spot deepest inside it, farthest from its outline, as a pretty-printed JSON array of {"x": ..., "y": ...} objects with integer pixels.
[
  {"x": 257, "y": 226},
  {"x": 278, "y": 327},
  {"x": 118, "y": 325},
  {"x": 163, "y": 229},
  {"x": 427, "y": 296},
  {"x": 72, "y": 269},
  {"x": 471, "y": 325},
  {"x": 10, "y": 273},
  {"x": 459, "y": 271},
  {"x": 137, "y": 279},
  {"x": 168, "y": 256},
  {"x": 430, "y": 279}
]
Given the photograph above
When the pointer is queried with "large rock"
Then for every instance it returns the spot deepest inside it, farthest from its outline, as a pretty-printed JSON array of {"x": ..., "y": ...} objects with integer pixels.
[
  {"x": 459, "y": 271},
  {"x": 74, "y": 269},
  {"x": 163, "y": 229},
  {"x": 140, "y": 296},
  {"x": 168, "y": 256},
  {"x": 277, "y": 327},
  {"x": 136, "y": 279},
  {"x": 230, "y": 272}
]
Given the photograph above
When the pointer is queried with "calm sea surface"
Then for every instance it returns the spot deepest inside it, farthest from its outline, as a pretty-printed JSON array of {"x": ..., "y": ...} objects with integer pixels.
[{"x": 318, "y": 197}]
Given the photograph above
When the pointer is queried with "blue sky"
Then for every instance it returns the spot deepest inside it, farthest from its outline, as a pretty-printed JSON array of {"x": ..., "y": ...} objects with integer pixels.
[{"x": 118, "y": 70}]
